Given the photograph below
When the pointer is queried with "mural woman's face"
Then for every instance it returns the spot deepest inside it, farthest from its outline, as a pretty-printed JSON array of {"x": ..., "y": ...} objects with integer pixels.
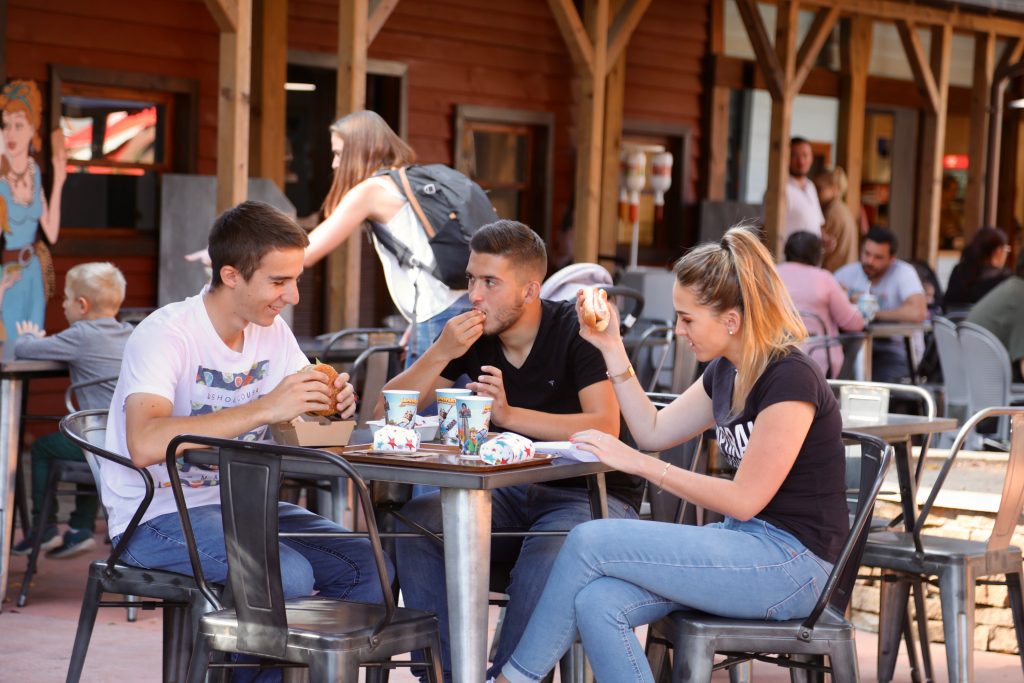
[{"x": 17, "y": 133}]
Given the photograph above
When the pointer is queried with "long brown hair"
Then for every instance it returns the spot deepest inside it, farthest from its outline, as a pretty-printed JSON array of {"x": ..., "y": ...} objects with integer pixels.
[
  {"x": 738, "y": 272},
  {"x": 369, "y": 145}
]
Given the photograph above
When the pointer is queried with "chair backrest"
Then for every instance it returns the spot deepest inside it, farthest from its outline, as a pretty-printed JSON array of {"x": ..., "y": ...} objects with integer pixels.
[
  {"x": 88, "y": 430},
  {"x": 820, "y": 343},
  {"x": 875, "y": 457},
  {"x": 954, "y": 376},
  {"x": 71, "y": 393},
  {"x": 374, "y": 335},
  {"x": 1011, "y": 503},
  {"x": 250, "y": 478},
  {"x": 987, "y": 368},
  {"x": 369, "y": 373}
]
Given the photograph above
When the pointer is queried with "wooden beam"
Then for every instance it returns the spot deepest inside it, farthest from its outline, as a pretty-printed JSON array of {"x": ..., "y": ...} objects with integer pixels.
[
  {"x": 626, "y": 20},
  {"x": 977, "y": 146},
  {"x": 233, "y": 110},
  {"x": 1010, "y": 64},
  {"x": 344, "y": 264},
  {"x": 615, "y": 92},
  {"x": 767, "y": 59},
  {"x": 716, "y": 111},
  {"x": 855, "y": 37},
  {"x": 3, "y": 42},
  {"x": 817, "y": 34},
  {"x": 591, "y": 137},
  {"x": 933, "y": 142},
  {"x": 919, "y": 64},
  {"x": 574, "y": 34},
  {"x": 1012, "y": 54},
  {"x": 225, "y": 13},
  {"x": 270, "y": 66},
  {"x": 379, "y": 10},
  {"x": 782, "y": 114}
]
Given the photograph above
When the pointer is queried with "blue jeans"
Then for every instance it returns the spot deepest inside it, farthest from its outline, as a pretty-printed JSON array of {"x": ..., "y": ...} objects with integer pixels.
[
  {"x": 427, "y": 331},
  {"x": 614, "y": 575},
  {"x": 519, "y": 508}
]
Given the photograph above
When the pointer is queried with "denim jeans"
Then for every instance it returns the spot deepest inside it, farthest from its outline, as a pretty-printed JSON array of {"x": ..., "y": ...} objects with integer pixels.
[
  {"x": 335, "y": 567},
  {"x": 427, "y": 331},
  {"x": 519, "y": 508},
  {"x": 614, "y": 575}
]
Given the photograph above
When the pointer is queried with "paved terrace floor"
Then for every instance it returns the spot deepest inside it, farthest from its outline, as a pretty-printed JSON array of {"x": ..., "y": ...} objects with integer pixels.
[{"x": 36, "y": 640}]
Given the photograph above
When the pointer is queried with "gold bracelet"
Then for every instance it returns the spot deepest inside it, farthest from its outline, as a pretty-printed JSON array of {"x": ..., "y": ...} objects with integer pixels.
[
  {"x": 661, "y": 479},
  {"x": 622, "y": 376}
]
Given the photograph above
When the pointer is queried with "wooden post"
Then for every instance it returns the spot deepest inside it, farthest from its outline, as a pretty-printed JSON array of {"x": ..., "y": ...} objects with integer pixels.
[
  {"x": 3, "y": 42},
  {"x": 1009, "y": 63},
  {"x": 590, "y": 139},
  {"x": 270, "y": 66},
  {"x": 977, "y": 146},
  {"x": 234, "y": 18},
  {"x": 716, "y": 143},
  {"x": 614, "y": 99},
  {"x": 855, "y": 54},
  {"x": 933, "y": 137}
]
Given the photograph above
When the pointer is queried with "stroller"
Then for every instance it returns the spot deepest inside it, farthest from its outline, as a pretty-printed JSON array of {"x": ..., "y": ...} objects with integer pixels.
[{"x": 563, "y": 285}]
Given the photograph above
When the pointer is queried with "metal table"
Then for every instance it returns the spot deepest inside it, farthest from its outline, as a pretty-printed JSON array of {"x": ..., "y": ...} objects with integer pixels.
[
  {"x": 13, "y": 374},
  {"x": 466, "y": 525}
]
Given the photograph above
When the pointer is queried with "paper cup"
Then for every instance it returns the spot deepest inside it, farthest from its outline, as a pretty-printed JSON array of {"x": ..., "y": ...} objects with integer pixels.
[
  {"x": 472, "y": 418},
  {"x": 447, "y": 429},
  {"x": 400, "y": 407}
]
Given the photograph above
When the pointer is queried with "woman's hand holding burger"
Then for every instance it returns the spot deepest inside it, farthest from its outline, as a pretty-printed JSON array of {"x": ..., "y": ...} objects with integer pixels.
[{"x": 599, "y": 321}]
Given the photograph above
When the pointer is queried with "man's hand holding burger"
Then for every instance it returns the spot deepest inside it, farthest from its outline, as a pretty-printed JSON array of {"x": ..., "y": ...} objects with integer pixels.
[{"x": 317, "y": 389}]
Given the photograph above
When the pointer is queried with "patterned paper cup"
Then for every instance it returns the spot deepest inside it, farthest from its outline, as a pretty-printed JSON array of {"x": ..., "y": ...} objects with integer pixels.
[
  {"x": 400, "y": 407},
  {"x": 472, "y": 417},
  {"x": 447, "y": 430}
]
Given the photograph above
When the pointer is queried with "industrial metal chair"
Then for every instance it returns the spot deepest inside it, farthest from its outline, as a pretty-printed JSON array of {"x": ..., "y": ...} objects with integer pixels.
[
  {"x": 954, "y": 374},
  {"x": 988, "y": 376},
  {"x": 331, "y": 637},
  {"x": 82, "y": 474},
  {"x": 958, "y": 563},
  {"x": 796, "y": 643},
  {"x": 176, "y": 594}
]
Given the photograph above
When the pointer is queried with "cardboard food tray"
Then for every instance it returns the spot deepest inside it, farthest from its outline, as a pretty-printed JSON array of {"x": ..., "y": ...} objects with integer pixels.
[{"x": 434, "y": 457}]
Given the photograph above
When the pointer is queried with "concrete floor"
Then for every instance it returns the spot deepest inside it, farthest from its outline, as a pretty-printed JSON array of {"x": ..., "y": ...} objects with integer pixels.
[{"x": 36, "y": 640}]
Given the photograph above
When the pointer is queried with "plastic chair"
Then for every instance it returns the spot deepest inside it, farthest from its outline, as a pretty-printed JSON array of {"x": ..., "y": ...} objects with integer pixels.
[
  {"x": 333, "y": 638},
  {"x": 60, "y": 471},
  {"x": 176, "y": 594},
  {"x": 958, "y": 563},
  {"x": 796, "y": 643},
  {"x": 988, "y": 374}
]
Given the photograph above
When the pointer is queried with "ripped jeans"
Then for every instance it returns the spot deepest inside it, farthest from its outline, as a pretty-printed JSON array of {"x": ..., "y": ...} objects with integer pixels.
[{"x": 614, "y": 574}]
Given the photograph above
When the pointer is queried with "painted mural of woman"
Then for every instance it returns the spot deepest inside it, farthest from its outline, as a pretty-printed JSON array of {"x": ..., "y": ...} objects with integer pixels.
[{"x": 28, "y": 211}]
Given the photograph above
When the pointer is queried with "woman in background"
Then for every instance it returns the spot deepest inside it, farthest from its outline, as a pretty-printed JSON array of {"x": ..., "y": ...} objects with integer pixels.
[
  {"x": 982, "y": 266},
  {"x": 839, "y": 233}
]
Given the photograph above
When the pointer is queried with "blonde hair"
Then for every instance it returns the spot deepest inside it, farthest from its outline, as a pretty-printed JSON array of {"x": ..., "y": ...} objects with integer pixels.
[
  {"x": 738, "y": 272},
  {"x": 369, "y": 145},
  {"x": 101, "y": 284},
  {"x": 836, "y": 179},
  {"x": 24, "y": 96}
]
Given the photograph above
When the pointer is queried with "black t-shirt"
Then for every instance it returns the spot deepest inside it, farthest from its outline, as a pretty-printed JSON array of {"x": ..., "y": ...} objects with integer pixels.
[
  {"x": 811, "y": 503},
  {"x": 559, "y": 365}
]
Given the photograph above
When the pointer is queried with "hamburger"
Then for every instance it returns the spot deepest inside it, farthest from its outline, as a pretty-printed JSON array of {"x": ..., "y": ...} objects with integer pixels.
[
  {"x": 594, "y": 309},
  {"x": 331, "y": 373}
]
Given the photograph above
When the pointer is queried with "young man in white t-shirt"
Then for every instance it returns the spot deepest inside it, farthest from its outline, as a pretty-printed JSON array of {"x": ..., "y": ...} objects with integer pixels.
[{"x": 222, "y": 363}]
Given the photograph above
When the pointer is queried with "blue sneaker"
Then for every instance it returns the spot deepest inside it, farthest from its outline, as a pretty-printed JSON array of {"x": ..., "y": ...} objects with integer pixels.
[
  {"x": 51, "y": 539},
  {"x": 75, "y": 542}
]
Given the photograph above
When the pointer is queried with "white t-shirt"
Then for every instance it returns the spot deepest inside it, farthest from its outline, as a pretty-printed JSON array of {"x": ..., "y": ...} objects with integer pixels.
[
  {"x": 898, "y": 283},
  {"x": 176, "y": 353},
  {"x": 803, "y": 210},
  {"x": 433, "y": 296}
]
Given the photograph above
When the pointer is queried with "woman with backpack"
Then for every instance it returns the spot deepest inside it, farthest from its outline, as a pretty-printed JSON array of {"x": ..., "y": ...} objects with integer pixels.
[{"x": 365, "y": 149}]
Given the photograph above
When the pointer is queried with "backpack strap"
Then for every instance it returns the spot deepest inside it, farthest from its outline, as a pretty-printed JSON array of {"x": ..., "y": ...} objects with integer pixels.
[
  {"x": 403, "y": 253},
  {"x": 411, "y": 196}
]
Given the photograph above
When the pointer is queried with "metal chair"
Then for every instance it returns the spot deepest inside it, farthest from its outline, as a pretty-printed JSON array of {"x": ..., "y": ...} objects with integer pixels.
[
  {"x": 176, "y": 594},
  {"x": 70, "y": 471},
  {"x": 954, "y": 374},
  {"x": 820, "y": 341},
  {"x": 988, "y": 375},
  {"x": 958, "y": 563},
  {"x": 333, "y": 638},
  {"x": 797, "y": 643}
]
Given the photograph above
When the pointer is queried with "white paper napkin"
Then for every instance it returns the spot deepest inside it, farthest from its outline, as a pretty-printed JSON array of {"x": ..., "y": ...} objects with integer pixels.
[{"x": 564, "y": 449}]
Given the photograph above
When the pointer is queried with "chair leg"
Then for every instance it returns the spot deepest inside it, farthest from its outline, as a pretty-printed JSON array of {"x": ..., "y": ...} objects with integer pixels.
[
  {"x": 331, "y": 666},
  {"x": 798, "y": 675},
  {"x": 956, "y": 593},
  {"x": 694, "y": 659},
  {"x": 86, "y": 621},
  {"x": 658, "y": 658},
  {"x": 177, "y": 645},
  {"x": 892, "y": 613},
  {"x": 433, "y": 660},
  {"x": 574, "y": 667},
  {"x": 37, "y": 535},
  {"x": 922, "y": 631},
  {"x": 1015, "y": 587},
  {"x": 199, "y": 661},
  {"x": 132, "y": 612},
  {"x": 842, "y": 658}
]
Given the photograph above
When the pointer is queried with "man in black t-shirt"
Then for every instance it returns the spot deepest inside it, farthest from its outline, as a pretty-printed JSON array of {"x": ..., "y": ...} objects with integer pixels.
[{"x": 547, "y": 384}]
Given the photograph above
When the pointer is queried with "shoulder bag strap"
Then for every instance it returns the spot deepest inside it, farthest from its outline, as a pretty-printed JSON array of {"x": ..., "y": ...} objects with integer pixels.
[{"x": 411, "y": 196}]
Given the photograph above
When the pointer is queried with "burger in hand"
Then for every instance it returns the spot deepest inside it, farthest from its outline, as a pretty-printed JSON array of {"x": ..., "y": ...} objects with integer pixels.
[
  {"x": 332, "y": 374},
  {"x": 594, "y": 311}
]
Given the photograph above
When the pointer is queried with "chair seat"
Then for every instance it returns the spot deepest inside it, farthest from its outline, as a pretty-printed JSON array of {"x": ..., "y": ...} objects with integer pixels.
[
  {"x": 149, "y": 583},
  {"x": 324, "y": 624},
  {"x": 895, "y": 550},
  {"x": 754, "y": 635}
]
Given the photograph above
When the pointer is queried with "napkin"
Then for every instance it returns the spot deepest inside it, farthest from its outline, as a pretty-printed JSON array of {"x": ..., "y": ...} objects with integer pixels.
[
  {"x": 396, "y": 439},
  {"x": 506, "y": 448},
  {"x": 564, "y": 449}
]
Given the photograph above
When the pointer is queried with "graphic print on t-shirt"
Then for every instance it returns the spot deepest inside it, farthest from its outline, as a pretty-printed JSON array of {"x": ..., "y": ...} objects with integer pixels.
[{"x": 733, "y": 440}]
